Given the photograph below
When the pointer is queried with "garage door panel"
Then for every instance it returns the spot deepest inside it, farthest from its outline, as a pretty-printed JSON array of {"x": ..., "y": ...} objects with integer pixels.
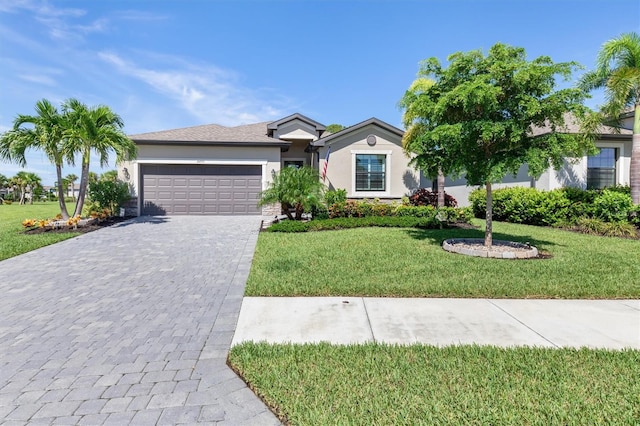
[{"x": 200, "y": 189}]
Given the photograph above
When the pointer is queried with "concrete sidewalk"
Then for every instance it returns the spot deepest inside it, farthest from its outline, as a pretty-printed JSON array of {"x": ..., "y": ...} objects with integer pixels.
[{"x": 612, "y": 324}]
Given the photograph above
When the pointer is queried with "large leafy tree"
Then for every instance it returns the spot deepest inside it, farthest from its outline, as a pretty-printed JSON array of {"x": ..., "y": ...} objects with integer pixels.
[
  {"x": 618, "y": 72},
  {"x": 43, "y": 131},
  {"x": 411, "y": 103},
  {"x": 478, "y": 117},
  {"x": 94, "y": 130},
  {"x": 297, "y": 189}
]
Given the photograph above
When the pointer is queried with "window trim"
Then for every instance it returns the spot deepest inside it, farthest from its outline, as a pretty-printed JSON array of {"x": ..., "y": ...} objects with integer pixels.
[
  {"x": 387, "y": 171},
  {"x": 619, "y": 146}
]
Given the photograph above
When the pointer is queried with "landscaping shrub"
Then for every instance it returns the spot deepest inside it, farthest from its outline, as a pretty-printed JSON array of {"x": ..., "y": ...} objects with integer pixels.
[
  {"x": 335, "y": 196},
  {"x": 319, "y": 211},
  {"x": 415, "y": 211},
  {"x": 596, "y": 226},
  {"x": 108, "y": 194},
  {"x": 424, "y": 197},
  {"x": 634, "y": 215},
  {"x": 612, "y": 205},
  {"x": 357, "y": 222}
]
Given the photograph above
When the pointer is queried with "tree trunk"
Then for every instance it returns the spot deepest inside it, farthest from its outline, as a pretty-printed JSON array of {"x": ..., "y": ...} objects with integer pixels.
[
  {"x": 23, "y": 191},
  {"x": 61, "y": 203},
  {"x": 488, "y": 233},
  {"x": 287, "y": 210},
  {"x": 634, "y": 167},
  {"x": 440, "y": 184},
  {"x": 84, "y": 178}
]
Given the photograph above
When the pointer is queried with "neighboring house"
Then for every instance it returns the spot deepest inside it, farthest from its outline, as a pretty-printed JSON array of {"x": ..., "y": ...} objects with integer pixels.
[
  {"x": 218, "y": 170},
  {"x": 608, "y": 168}
]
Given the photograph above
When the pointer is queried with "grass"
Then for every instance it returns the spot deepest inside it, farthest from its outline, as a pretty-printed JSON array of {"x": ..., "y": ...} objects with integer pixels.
[
  {"x": 14, "y": 241},
  {"x": 410, "y": 385},
  {"x": 389, "y": 262}
]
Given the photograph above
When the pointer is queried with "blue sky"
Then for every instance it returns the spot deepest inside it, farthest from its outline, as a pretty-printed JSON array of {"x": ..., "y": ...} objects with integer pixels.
[{"x": 169, "y": 64}]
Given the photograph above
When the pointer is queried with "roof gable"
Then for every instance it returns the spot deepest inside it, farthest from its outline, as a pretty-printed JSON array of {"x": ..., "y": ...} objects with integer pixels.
[
  {"x": 344, "y": 132},
  {"x": 275, "y": 124}
]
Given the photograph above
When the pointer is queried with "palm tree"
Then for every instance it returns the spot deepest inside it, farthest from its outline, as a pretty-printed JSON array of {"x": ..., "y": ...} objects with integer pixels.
[
  {"x": 618, "y": 72},
  {"x": 34, "y": 182},
  {"x": 96, "y": 129},
  {"x": 42, "y": 131},
  {"x": 70, "y": 181},
  {"x": 21, "y": 181},
  {"x": 294, "y": 188}
]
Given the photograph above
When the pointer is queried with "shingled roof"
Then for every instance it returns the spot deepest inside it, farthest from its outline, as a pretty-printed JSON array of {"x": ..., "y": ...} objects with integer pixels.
[
  {"x": 212, "y": 134},
  {"x": 571, "y": 126}
]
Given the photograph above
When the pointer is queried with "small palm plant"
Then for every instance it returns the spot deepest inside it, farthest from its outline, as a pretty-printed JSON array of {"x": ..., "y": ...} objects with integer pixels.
[{"x": 297, "y": 189}]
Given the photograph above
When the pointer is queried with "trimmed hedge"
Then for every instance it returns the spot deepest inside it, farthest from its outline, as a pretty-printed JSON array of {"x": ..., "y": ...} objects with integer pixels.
[
  {"x": 357, "y": 222},
  {"x": 561, "y": 206}
]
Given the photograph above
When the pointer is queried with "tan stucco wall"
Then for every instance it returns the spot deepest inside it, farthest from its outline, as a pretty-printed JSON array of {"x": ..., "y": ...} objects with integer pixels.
[
  {"x": 267, "y": 157},
  {"x": 401, "y": 178},
  {"x": 296, "y": 152}
]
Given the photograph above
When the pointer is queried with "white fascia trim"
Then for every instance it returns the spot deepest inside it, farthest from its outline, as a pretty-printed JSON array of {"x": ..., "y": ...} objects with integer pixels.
[
  {"x": 387, "y": 168},
  {"x": 214, "y": 162}
]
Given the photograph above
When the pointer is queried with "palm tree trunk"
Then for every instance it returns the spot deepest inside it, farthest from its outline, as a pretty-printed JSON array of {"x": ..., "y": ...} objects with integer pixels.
[
  {"x": 488, "y": 233},
  {"x": 84, "y": 178},
  {"x": 61, "y": 203},
  {"x": 634, "y": 167}
]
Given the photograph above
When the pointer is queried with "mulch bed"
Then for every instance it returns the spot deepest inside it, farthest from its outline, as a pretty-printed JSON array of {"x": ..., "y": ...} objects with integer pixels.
[{"x": 94, "y": 226}]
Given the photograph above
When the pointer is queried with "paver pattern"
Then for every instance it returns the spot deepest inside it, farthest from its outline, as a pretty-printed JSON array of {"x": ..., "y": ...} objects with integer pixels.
[{"x": 128, "y": 325}]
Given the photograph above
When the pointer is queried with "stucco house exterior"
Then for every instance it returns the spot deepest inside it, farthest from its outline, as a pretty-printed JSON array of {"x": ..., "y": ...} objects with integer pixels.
[
  {"x": 219, "y": 170},
  {"x": 214, "y": 169}
]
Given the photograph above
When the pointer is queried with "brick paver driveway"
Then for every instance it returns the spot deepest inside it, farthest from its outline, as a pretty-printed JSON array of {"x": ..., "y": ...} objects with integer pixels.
[{"x": 129, "y": 324}]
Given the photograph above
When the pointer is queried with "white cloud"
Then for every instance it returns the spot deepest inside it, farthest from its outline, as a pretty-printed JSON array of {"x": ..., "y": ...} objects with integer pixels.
[{"x": 206, "y": 92}]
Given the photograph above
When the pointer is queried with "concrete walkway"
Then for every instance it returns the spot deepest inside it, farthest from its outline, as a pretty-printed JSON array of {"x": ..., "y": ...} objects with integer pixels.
[
  {"x": 128, "y": 325},
  {"x": 612, "y": 324}
]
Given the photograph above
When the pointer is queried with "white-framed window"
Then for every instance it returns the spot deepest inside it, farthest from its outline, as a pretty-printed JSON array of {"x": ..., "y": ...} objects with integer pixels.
[
  {"x": 371, "y": 173},
  {"x": 602, "y": 168}
]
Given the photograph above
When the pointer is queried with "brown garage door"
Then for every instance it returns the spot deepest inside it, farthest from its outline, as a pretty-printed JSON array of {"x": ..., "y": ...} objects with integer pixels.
[{"x": 173, "y": 189}]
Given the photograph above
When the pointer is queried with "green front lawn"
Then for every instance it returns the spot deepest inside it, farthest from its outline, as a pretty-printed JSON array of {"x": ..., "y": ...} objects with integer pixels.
[
  {"x": 14, "y": 241},
  {"x": 411, "y": 263},
  {"x": 393, "y": 385}
]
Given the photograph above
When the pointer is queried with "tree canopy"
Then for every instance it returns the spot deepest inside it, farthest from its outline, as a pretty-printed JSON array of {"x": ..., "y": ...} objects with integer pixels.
[
  {"x": 481, "y": 116},
  {"x": 334, "y": 128}
]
